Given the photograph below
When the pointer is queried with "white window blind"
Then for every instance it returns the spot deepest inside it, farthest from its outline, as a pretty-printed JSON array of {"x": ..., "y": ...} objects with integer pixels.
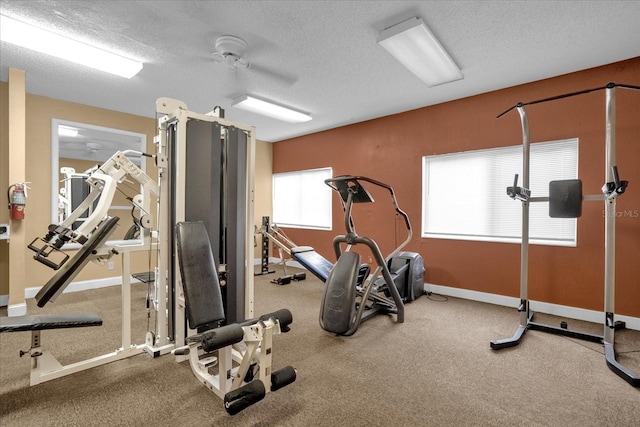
[
  {"x": 301, "y": 199},
  {"x": 464, "y": 194}
]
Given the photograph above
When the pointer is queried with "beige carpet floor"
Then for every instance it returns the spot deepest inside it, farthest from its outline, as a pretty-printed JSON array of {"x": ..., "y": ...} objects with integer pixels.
[{"x": 436, "y": 369}]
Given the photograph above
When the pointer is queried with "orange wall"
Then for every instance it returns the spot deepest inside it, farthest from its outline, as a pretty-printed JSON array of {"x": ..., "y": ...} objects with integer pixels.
[{"x": 390, "y": 150}]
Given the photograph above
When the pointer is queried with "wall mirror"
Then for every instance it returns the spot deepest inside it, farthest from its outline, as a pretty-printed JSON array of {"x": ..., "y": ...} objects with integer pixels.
[{"x": 76, "y": 149}]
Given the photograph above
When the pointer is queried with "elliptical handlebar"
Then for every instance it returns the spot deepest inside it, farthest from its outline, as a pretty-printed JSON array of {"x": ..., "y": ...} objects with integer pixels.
[{"x": 351, "y": 191}]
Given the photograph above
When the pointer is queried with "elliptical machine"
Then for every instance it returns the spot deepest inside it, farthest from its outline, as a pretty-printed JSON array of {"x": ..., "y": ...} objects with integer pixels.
[{"x": 351, "y": 295}]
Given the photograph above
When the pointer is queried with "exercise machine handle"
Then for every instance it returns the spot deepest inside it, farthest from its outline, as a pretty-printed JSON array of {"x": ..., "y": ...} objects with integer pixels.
[
  {"x": 518, "y": 193},
  {"x": 351, "y": 191},
  {"x": 335, "y": 182},
  {"x": 613, "y": 189}
]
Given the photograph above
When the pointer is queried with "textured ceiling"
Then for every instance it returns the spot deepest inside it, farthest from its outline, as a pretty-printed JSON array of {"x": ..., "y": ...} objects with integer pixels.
[{"x": 317, "y": 56}]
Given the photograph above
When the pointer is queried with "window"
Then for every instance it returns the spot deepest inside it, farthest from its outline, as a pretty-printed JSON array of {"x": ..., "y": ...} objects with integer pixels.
[
  {"x": 464, "y": 194},
  {"x": 301, "y": 199}
]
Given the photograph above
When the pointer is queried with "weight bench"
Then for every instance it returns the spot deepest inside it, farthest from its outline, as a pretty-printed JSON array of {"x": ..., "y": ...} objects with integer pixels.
[
  {"x": 44, "y": 366},
  {"x": 312, "y": 261},
  {"x": 233, "y": 361},
  {"x": 319, "y": 265}
]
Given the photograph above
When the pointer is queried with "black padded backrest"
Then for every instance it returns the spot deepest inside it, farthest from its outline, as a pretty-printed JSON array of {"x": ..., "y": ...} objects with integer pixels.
[
  {"x": 203, "y": 298},
  {"x": 565, "y": 198},
  {"x": 57, "y": 284}
]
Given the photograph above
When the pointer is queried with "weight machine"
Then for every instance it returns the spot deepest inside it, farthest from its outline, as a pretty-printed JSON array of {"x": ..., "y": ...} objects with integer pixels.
[
  {"x": 91, "y": 236},
  {"x": 240, "y": 352},
  {"x": 212, "y": 185},
  {"x": 205, "y": 173},
  {"x": 565, "y": 198}
]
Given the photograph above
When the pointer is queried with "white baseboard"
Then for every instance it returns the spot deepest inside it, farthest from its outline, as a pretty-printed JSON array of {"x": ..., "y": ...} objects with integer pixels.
[
  {"x": 17, "y": 309},
  {"x": 278, "y": 261},
  {"x": 296, "y": 264},
  {"x": 82, "y": 285},
  {"x": 272, "y": 260},
  {"x": 542, "y": 307}
]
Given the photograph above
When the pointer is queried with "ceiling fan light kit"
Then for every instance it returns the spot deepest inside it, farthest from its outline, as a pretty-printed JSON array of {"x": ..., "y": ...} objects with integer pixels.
[
  {"x": 269, "y": 109},
  {"x": 40, "y": 40},
  {"x": 415, "y": 47}
]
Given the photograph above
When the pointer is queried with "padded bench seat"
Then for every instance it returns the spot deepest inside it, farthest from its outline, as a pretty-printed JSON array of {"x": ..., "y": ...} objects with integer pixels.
[
  {"x": 48, "y": 321},
  {"x": 312, "y": 261}
]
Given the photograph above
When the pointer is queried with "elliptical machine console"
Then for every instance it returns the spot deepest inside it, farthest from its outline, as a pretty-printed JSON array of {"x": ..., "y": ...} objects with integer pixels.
[{"x": 351, "y": 297}]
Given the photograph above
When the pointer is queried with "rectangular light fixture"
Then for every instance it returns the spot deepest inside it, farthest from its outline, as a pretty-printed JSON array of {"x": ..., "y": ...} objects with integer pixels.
[
  {"x": 411, "y": 43},
  {"x": 30, "y": 37},
  {"x": 269, "y": 109},
  {"x": 67, "y": 131}
]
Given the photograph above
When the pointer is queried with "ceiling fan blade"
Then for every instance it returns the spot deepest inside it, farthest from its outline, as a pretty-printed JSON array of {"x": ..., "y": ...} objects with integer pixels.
[
  {"x": 283, "y": 78},
  {"x": 231, "y": 61}
]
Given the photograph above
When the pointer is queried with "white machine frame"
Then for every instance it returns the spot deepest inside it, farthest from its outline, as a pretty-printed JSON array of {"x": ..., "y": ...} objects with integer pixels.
[
  {"x": 176, "y": 112},
  {"x": 242, "y": 350},
  {"x": 234, "y": 361},
  {"x": 104, "y": 181},
  {"x": 44, "y": 365}
]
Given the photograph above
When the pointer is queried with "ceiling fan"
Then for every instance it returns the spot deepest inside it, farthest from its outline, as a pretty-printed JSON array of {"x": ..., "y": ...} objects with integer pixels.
[{"x": 232, "y": 52}]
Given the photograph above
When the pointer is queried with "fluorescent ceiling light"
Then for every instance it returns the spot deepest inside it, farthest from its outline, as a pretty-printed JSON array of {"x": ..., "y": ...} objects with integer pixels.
[
  {"x": 411, "y": 43},
  {"x": 267, "y": 108},
  {"x": 66, "y": 131},
  {"x": 21, "y": 34}
]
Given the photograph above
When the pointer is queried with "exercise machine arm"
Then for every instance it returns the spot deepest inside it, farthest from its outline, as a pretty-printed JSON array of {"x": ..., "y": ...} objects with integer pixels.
[{"x": 103, "y": 182}]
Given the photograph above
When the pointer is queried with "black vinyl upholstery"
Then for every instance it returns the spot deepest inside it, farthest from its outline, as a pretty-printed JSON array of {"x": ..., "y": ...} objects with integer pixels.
[
  {"x": 199, "y": 275},
  {"x": 565, "y": 198},
  {"x": 312, "y": 261},
  {"x": 63, "y": 277}
]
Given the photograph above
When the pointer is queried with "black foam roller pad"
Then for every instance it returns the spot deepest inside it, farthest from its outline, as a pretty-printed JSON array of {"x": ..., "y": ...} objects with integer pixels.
[
  {"x": 283, "y": 315},
  {"x": 237, "y": 400},
  {"x": 282, "y": 377},
  {"x": 565, "y": 198},
  {"x": 221, "y": 337}
]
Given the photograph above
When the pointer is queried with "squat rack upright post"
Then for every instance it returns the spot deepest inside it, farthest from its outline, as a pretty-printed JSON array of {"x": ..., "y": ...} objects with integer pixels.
[{"x": 612, "y": 188}]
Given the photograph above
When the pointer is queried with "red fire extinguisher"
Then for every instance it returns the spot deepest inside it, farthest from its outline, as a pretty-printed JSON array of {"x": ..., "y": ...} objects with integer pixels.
[{"x": 17, "y": 200}]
